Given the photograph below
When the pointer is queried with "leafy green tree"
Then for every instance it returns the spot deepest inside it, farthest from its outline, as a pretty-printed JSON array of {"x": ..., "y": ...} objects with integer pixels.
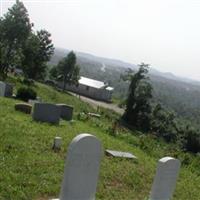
[
  {"x": 163, "y": 123},
  {"x": 138, "y": 108},
  {"x": 37, "y": 52},
  {"x": 15, "y": 28},
  {"x": 68, "y": 70},
  {"x": 54, "y": 73}
]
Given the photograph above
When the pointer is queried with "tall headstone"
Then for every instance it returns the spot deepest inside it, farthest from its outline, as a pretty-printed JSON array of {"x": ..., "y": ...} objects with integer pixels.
[
  {"x": 165, "y": 180},
  {"x": 81, "y": 168},
  {"x": 46, "y": 112}
]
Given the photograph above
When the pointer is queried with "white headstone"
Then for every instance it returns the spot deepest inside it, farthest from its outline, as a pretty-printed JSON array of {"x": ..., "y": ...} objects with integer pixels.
[
  {"x": 165, "y": 179},
  {"x": 81, "y": 168}
]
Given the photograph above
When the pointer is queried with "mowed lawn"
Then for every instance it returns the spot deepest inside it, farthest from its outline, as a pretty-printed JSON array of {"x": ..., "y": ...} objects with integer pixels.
[{"x": 29, "y": 169}]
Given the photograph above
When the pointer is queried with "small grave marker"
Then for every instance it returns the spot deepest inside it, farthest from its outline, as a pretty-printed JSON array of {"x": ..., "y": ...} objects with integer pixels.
[
  {"x": 57, "y": 143},
  {"x": 165, "y": 179},
  {"x": 23, "y": 107},
  {"x": 120, "y": 154}
]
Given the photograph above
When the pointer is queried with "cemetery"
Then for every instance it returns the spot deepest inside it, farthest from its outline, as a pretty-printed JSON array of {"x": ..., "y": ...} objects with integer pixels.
[
  {"x": 81, "y": 161},
  {"x": 140, "y": 141}
]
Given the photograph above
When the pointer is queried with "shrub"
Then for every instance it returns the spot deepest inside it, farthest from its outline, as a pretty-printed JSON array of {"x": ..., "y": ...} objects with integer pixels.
[
  {"x": 26, "y": 93},
  {"x": 192, "y": 140},
  {"x": 28, "y": 82}
]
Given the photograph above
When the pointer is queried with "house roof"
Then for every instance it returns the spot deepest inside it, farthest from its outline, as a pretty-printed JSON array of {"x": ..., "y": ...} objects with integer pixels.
[
  {"x": 110, "y": 88},
  {"x": 92, "y": 83}
]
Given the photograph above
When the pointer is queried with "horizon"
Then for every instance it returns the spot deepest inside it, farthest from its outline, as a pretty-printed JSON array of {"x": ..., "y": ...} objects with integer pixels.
[{"x": 163, "y": 34}]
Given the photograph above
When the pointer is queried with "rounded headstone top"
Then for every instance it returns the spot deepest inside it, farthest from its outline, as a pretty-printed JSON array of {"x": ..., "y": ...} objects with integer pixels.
[
  {"x": 168, "y": 159},
  {"x": 86, "y": 141}
]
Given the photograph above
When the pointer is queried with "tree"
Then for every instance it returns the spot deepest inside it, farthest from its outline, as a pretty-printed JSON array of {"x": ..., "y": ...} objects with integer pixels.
[
  {"x": 69, "y": 70},
  {"x": 163, "y": 123},
  {"x": 54, "y": 73},
  {"x": 138, "y": 108},
  {"x": 15, "y": 28},
  {"x": 37, "y": 52}
]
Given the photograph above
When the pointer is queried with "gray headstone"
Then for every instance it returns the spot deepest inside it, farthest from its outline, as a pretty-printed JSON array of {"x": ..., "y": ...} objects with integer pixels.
[
  {"x": 165, "y": 180},
  {"x": 6, "y": 89},
  {"x": 46, "y": 112},
  {"x": 81, "y": 168},
  {"x": 2, "y": 89},
  {"x": 120, "y": 154},
  {"x": 66, "y": 111}
]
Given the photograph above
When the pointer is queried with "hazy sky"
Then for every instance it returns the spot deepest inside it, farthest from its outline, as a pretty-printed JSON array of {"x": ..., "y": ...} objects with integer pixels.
[{"x": 164, "y": 33}]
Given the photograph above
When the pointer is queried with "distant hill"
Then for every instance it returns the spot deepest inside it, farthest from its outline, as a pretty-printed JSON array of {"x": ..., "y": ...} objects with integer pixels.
[{"x": 176, "y": 93}]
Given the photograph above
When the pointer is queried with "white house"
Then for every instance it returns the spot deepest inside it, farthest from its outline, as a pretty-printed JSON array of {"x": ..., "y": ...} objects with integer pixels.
[{"x": 91, "y": 88}]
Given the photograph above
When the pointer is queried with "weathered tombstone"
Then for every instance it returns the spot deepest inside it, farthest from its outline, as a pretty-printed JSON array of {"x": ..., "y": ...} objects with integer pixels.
[
  {"x": 66, "y": 111},
  {"x": 120, "y": 154},
  {"x": 81, "y": 168},
  {"x": 23, "y": 107},
  {"x": 6, "y": 89},
  {"x": 57, "y": 143},
  {"x": 165, "y": 179},
  {"x": 46, "y": 112}
]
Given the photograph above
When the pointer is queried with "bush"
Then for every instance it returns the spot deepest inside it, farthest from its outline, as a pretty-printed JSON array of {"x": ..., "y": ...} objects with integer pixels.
[
  {"x": 192, "y": 141},
  {"x": 28, "y": 82},
  {"x": 26, "y": 93}
]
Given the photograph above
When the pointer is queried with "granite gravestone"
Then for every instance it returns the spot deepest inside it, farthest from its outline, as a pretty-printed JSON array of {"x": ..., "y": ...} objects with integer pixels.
[
  {"x": 6, "y": 89},
  {"x": 81, "y": 168},
  {"x": 66, "y": 111},
  {"x": 165, "y": 179},
  {"x": 46, "y": 112}
]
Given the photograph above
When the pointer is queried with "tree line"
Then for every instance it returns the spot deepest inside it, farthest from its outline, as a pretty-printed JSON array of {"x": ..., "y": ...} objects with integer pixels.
[
  {"x": 143, "y": 113},
  {"x": 29, "y": 50}
]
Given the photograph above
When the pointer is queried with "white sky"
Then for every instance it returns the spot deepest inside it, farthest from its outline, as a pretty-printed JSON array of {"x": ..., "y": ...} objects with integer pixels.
[{"x": 163, "y": 33}]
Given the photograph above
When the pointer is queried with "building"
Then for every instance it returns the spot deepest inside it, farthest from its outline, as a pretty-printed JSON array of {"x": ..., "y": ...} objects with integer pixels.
[{"x": 91, "y": 88}]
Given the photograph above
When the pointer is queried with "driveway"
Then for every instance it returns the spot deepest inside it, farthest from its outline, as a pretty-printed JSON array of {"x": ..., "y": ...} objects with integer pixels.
[{"x": 95, "y": 104}]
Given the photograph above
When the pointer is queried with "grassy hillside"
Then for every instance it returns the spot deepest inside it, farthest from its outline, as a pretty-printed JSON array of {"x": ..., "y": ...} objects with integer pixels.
[{"x": 31, "y": 170}]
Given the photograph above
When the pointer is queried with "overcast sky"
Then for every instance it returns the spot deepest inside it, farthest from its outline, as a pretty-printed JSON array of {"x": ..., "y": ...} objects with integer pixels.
[{"x": 164, "y": 33}]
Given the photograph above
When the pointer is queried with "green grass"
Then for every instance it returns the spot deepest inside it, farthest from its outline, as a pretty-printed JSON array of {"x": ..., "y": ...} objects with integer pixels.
[{"x": 29, "y": 169}]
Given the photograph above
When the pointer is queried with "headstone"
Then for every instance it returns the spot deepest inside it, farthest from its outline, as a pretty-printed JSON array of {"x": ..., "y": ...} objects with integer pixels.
[
  {"x": 165, "y": 179},
  {"x": 81, "y": 168},
  {"x": 6, "y": 89},
  {"x": 66, "y": 111},
  {"x": 57, "y": 143},
  {"x": 23, "y": 107},
  {"x": 120, "y": 154},
  {"x": 46, "y": 112}
]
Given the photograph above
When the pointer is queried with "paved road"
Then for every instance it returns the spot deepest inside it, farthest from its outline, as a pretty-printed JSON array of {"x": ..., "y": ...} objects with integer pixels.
[{"x": 96, "y": 103}]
